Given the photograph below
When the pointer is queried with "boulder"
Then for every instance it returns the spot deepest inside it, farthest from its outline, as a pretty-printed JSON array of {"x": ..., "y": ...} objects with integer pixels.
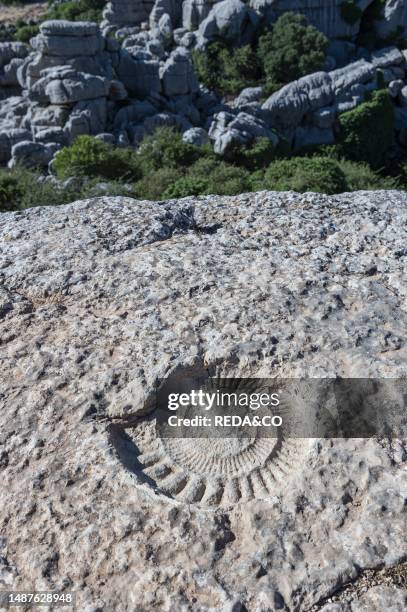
[
  {"x": 287, "y": 107},
  {"x": 117, "y": 91},
  {"x": 59, "y": 45},
  {"x": 403, "y": 96},
  {"x": 178, "y": 75},
  {"x": 13, "y": 111},
  {"x": 64, "y": 85},
  {"x": 127, "y": 12},
  {"x": 48, "y": 116},
  {"x": 94, "y": 112},
  {"x": 182, "y": 105},
  {"x": 393, "y": 19},
  {"x": 134, "y": 113},
  {"x": 139, "y": 73},
  {"x": 247, "y": 95},
  {"x": 228, "y": 131},
  {"x": 171, "y": 8},
  {"x": 51, "y": 135},
  {"x": 196, "y": 136},
  {"x": 9, "y": 76},
  {"x": 352, "y": 74},
  {"x": 31, "y": 71},
  {"x": 32, "y": 154},
  {"x": 68, "y": 29},
  {"x": 8, "y": 139},
  {"x": 77, "y": 125},
  {"x": 395, "y": 87},
  {"x": 195, "y": 11},
  {"x": 11, "y": 50},
  {"x": 229, "y": 19},
  {"x": 107, "y": 138},
  {"x": 383, "y": 58}
]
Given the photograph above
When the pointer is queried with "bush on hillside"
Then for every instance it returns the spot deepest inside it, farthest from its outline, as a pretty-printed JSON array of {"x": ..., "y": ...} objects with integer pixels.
[
  {"x": 225, "y": 69},
  {"x": 10, "y": 191},
  {"x": 78, "y": 10},
  {"x": 92, "y": 158},
  {"x": 367, "y": 131},
  {"x": 155, "y": 184},
  {"x": 210, "y": 176},
  {"x": 166, "y": 149},
  {"x": 361, "y": 177},
  {"x": 318, "y": 174},
  {"x": 26, "y": 32},
  {"x": 291, "y": 49},
  {"x": 21, "y": 188},
  {"x": 259, "y": 155}
]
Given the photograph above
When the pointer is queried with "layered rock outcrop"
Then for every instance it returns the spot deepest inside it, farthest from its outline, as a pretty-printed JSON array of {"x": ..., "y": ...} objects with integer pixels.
[
  {"x": 131, "y": 77},
  {"x": 11, "y": 58},
  {"x": 99, "y": 300},
  {"x": 336, "y": 18}
]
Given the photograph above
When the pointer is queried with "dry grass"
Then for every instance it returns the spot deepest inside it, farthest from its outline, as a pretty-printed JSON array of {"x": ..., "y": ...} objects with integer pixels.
[{"x": 11, "y": 14}]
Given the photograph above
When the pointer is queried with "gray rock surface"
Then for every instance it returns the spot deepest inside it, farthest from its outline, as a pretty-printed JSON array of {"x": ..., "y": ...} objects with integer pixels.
[
  {"x": 393, "y": 18},
  {"x": 101, "y": 298},
  {"x": 178, "y": 76},
  {"x": 32, "y": 154},
  {"x": 196, "y": 136},
  {"x": 139, "y": 72},
  {"x": 143, "y": 54},
  {"x": 228, "y": 18}
]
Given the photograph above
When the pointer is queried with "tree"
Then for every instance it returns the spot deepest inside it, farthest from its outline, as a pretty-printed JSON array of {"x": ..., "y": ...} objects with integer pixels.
[{"x": 292, "y": 49}]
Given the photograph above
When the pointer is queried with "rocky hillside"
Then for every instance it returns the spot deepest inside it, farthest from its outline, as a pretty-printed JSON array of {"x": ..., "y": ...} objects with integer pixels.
[
  {"x": 101, "y": 298},
  {"x": 146, "y": 66}
]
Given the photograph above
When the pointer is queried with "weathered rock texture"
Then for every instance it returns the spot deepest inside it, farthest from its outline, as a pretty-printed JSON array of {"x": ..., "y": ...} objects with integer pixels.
[{"x": 102, "y": 297}]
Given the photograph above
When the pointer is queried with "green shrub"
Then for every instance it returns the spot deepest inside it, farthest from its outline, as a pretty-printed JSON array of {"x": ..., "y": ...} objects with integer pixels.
[
  {"x": 318, "y": 174},
  {"x": 187, "y": 186},
  {"x": 166, "y": 149},
  {"x": 90, "y": 157},
  {"x": 224, "y": 178},
  {"x": 21, "y": 188},
  {"x": 225, "y": 69},
  {"x": 366, "y": 132},
  {"x": 78, "y": 10},
  {"x": 350, "y": 11},
  {"x": 259, "y": 155},
  {"x": 210, "y": 176},
  {"x": 26, "y": 32},
  {"x": 292, "y": 49},
  {"x": 156, "y": 183},
  {"x": 360, "y": 177},
  {"x": 10, "y": 191}
]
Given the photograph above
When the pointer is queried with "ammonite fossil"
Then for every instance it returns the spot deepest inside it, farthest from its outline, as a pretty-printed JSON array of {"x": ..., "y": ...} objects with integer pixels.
[{"x": 213, "y": 471}]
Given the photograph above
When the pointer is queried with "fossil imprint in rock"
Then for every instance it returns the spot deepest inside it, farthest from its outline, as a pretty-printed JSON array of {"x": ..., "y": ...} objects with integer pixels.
[{"x": 210, "y": 471}]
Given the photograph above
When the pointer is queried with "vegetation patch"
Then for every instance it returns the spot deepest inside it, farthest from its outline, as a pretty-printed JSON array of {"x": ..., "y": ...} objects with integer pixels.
[
  {"x": 226, "y": 70},
  {"x": 358, "y": 141},
  {"x": 289, "y": 50}
]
